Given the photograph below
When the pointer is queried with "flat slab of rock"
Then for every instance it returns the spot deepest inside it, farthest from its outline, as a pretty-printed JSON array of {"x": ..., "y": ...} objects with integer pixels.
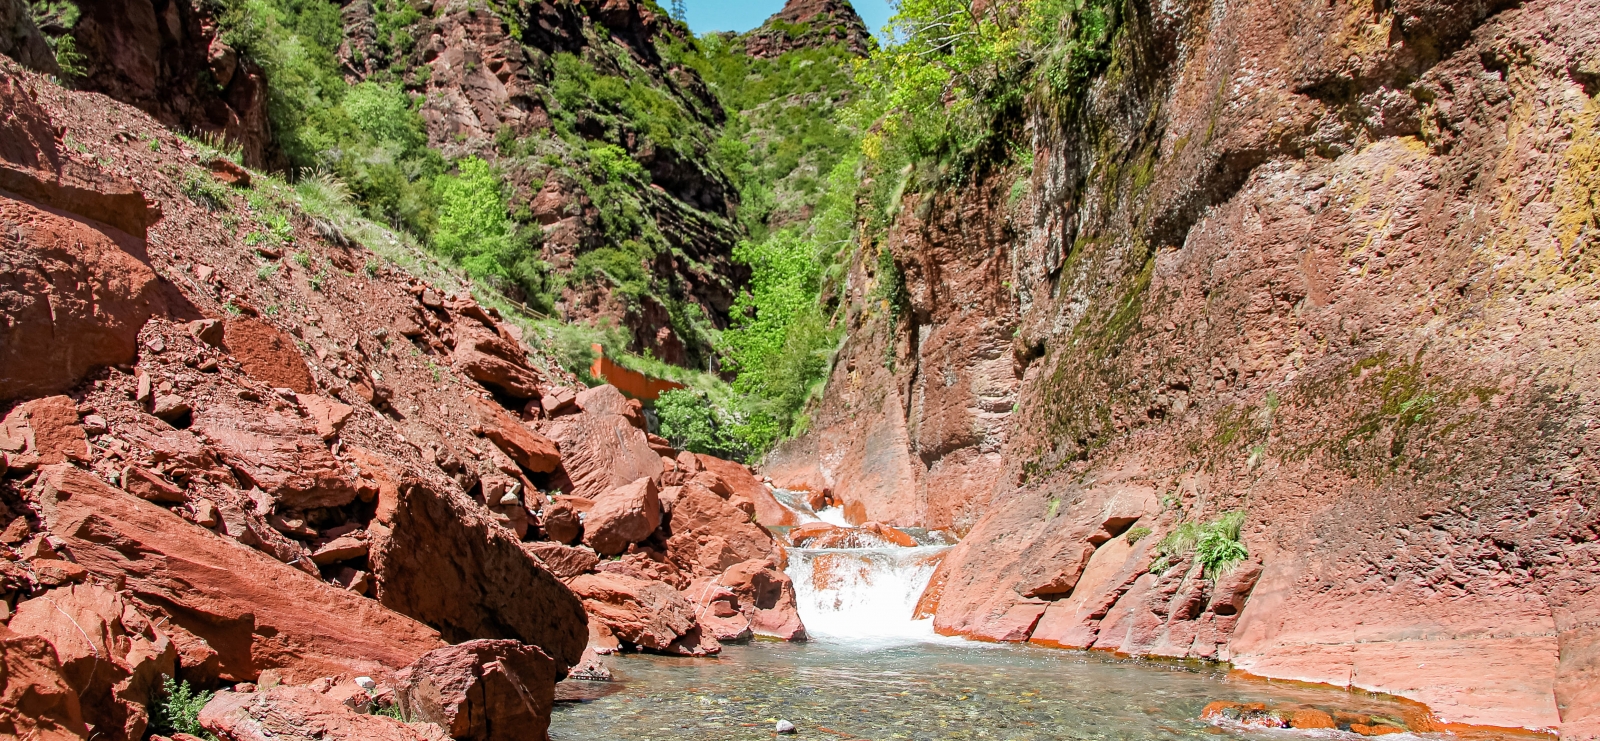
[
  {"x": 237, "y": 608},
  {"x": 302, "y": 714},
  {"x": 446, "y": 563}
]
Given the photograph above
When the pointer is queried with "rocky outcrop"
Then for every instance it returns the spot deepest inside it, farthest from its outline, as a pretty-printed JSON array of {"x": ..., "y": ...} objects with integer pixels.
[
  {"x": 803, "y": 24},
  {"x": 164, "y": 57},
  {"x": 481, "y": 690},
  {"x": 494, "y": 588},
  {"x": 1315, "y": 297},
  {"x": 35, "y": 699},
  {"x": 644, "y": 613},
  {"x": 623, "y": 516},
  {"x": 231, "y": 611},
  {"x": 110, "y": 654}
]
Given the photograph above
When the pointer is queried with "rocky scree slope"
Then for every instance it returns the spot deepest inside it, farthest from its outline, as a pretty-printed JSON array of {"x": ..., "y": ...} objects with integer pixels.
[
  {"x": 1330, "y": 265},
  {"x": 241, "y": 448}
]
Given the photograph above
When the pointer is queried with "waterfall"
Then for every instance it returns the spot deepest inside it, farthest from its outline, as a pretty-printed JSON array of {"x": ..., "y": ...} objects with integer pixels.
[{"x": 863, "y": 595}]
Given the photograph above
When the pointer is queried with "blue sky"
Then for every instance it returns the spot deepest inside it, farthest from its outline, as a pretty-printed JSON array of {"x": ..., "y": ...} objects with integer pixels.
[{"x": 743, "y": 15}]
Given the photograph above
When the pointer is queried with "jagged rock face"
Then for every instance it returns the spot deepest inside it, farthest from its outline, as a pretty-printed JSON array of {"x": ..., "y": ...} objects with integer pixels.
[
  {"x": 163, "y": 57},
  {"x": 1340, "y": 296},
  {"x": 20, "y": 38},
  {"x": 804, "y": 24},
  {"x": 488, "y": 75}
]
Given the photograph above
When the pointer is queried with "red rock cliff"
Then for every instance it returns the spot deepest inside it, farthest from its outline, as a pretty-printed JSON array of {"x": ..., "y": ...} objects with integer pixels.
[{"x": 1328, "y": 264}]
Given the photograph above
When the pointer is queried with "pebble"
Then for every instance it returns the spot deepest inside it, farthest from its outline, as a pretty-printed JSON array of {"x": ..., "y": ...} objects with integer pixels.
[{"x": 785, "y": 727}]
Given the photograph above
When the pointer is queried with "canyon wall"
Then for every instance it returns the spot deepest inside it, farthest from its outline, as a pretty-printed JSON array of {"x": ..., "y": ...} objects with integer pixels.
[{"x": 1328, "y": 264}]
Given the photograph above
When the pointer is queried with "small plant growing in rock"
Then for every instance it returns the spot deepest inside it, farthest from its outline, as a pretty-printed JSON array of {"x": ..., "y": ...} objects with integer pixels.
[
  {"x": 205, "y": 191},
  {"x": 1134, "y": 535},
  {"x": 1215, "y": 545},
  {"x": 303, "y": 259},
  {"x": 392, "y": 710},
  {"x": 176, "y": 709},
  {"x": 265, "y": 272}
]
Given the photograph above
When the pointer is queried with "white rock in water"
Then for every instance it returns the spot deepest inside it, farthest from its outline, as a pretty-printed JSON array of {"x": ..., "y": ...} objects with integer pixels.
[{"x": 785, "y": 727}]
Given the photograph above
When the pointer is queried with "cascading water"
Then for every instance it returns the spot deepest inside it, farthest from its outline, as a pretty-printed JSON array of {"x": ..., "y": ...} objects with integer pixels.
[{"x": 863, "y": 595}]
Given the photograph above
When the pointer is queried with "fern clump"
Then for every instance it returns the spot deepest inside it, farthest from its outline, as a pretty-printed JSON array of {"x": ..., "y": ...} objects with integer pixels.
[
  {"x": 1215, "y": 545},
  {"x": 176, "y": 709}
]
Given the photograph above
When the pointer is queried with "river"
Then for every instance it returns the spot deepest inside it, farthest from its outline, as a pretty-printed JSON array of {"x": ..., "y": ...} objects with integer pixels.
[{"x": 872, "y": 672}]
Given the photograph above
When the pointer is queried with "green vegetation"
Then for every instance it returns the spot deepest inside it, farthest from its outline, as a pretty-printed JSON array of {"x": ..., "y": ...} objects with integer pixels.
[
  {"x": 55, "y": 20},
  {"x": 175, "y": 708},
  {"x": 1215, "y": 545},
  {"x": 801, "y": 178},
  {"x": 1134, "y": 535}
]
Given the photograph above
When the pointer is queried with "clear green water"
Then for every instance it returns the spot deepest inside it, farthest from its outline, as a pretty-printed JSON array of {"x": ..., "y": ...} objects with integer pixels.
[{"x": 922, "y": 690}]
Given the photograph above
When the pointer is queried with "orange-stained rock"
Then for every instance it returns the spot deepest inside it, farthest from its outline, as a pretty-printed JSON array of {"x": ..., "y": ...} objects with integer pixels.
[
  {"x": 529, "y": 449},
  {"x": 36, "y": 701},
  {"x": 150, "y": 487},
  {"x": 890, "y": 534},
  {"x": 267, "y": 354},
  {"x": 622, "y": 516},
  {"x": 1216, "y": 709},
  {"x": 1307, "y": 718},
  {"x": 742, "y": 483},
  {"x": 801, "y": 535},
  {"x": 1376, "y": 729},
  {"x": 231, "y": 610},
  {"x": 291, "y": 713},
  {"x": 109, "y": 652},
  {"x": 494, "y": 589},
  {"x": 483, "y": 690},
  {"x": 647, "y": 614},
  {"x": 601, "y": 451}
]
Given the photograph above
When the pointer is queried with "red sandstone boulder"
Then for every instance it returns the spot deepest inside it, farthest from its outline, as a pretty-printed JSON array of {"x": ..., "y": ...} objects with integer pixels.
[
  {"x": 600, "y": 452},
  {"x": 282, "y": 713},
  {"x": 495, "y": 589},
  {"x": 709, "y": 534},
  {"x": 647, "y": 614},
  {"x": 267, "y": 354},
  {"x": 279, "y": 452},
  {"x": 762, "y": 594},
  {"x": 329, "y": 416},
  {"x": 562, "y": 561},
  {"x": 560, "y": 522},
  {"x": 606, "y": 399},
  {"x": 492, "y": 360},
  {"x": 529, "y": 449},
  {"x": 623, "y": 516},
  {"x": 109, "y": 652},
  {"x": 485, "y": 690},
  {"x": 743, "y": 484},
  {"x": 36, "y": 701},
  {"x": 43, "y": 432},
  {"x": 231, "y": 611}
]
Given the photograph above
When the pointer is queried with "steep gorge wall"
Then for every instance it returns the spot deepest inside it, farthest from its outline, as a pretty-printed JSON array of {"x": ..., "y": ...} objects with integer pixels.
[{"x": 1328, "y": 264}]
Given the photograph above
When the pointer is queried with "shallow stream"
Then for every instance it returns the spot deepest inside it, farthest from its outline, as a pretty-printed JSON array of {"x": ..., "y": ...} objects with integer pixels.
[{"x": 871, "y": 672}]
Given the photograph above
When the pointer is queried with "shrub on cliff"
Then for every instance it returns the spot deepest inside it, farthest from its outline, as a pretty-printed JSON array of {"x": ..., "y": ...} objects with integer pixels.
[{"x": 1215, "y": 545}]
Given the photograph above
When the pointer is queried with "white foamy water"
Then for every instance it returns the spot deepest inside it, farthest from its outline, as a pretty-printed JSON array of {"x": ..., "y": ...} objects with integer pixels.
[
  {"x": 864, "y": 596},
  {"x": 833, "y": 516}
]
